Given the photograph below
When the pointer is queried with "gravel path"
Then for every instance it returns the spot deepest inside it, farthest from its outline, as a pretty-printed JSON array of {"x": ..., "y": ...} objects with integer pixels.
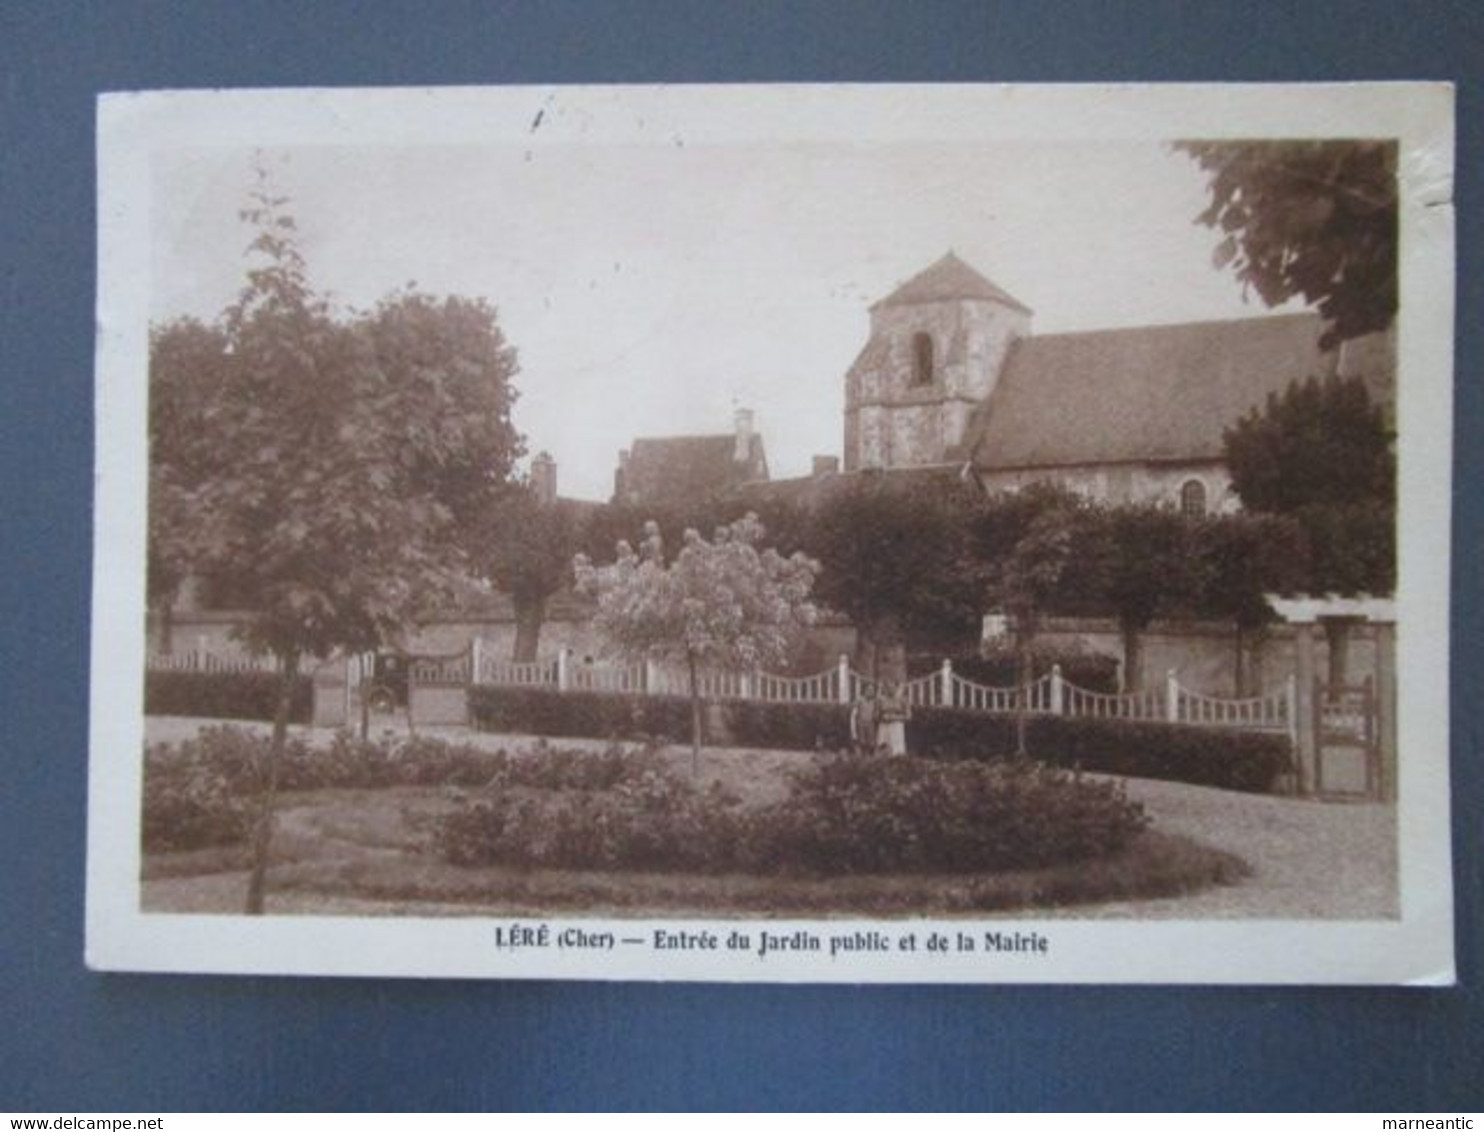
[{"x": 1310, "y": 860}]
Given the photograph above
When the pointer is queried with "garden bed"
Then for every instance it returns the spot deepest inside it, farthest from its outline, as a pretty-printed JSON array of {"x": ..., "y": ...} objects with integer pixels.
[{"x": 375, "y": 832}]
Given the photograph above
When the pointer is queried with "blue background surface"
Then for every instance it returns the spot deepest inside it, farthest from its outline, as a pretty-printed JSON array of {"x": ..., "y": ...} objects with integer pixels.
[{"x": 71, "y": 1040}]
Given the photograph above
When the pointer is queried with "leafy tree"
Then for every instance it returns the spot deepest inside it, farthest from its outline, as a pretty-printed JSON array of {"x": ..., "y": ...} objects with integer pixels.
[
  {"x": 1315, "y": 219},
  {"x": 1036, "y": 536},
  {"x": 1239, "y": 560},
  {"x": 894, "y": 559},
  {"x": 1318, "y": 443},
  {"x": 527, "y": 552},
  {"x": 723, "y": 604},
  {"x": 1141, "y": 565},
  {"x": 329, "y": 462},
  {"x": 186, "y": 368}
]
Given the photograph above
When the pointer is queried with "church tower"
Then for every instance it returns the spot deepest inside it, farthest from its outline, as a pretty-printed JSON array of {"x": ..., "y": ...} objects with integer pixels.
[{"x": 938, "y": 345}]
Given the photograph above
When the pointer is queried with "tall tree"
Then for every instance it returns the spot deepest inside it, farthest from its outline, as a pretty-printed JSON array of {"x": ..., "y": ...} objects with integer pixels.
[
  {"x": 1319, "y": 442},
  {"x": 1321, "y": 454},
  {"x": 332, "y": 459},
  {"x": 1314, "y": 219},
  {"x": 186, "y": 369},
  {"x": 723, "y": 604}
]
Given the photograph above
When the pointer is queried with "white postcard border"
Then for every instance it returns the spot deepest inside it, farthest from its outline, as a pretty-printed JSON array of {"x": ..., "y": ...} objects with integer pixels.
[{"x": 1415, "y": 949}]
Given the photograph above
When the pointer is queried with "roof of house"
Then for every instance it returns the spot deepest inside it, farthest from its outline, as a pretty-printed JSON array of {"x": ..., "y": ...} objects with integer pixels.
[
  {"x": 1156, "y": 393},
  {"x": 690, "y": 467},
  {"x": 947, "y": 280},
  {"x": 809, "y": 492}
]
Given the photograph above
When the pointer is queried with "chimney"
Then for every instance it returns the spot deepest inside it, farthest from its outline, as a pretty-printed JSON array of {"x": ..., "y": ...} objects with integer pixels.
[
  {"x": 826, "y": 466},
  {"x": 621, "y": 477},
  {"x": 742, "y": 421},
  {"x": 544, "y": 477}
]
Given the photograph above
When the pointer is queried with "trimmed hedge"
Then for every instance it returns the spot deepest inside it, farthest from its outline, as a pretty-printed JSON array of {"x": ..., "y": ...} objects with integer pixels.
[
  {"x": 608, "y": 715},
  {"x": 223, "y": 695},
  {"x": 1251, "y": 761}
]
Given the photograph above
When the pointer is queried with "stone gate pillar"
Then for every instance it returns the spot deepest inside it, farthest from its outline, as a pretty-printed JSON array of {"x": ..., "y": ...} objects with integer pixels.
[
  {"x": 1386, "y": 709},
  {"x": 1307, "y": 754}
]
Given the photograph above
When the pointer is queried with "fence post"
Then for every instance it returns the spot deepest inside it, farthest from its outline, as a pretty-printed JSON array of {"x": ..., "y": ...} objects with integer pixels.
[
  {"x": 1056, "y": 690},
  {"x": 1291, "y": 708},
  {"x": 476, "y": 660},
  {"x": 844, "y": 668},
  {"x": 563, "y": 674},
  {"x": 1172, "y": 697},
  {"x": 947, "y": 683},
  {"x": 746, "y": 688},
  {"x": 201, "y": 651}
]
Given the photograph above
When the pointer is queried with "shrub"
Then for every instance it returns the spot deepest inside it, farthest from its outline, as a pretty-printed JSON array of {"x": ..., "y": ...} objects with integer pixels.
[
  {"x": 607, "y": 715},
  {"x": 1228, "y": 758},
  {"x": 223, "y": 695},
  {"x": 199, "y": 792},
  {"x": 852, "y": 815},
  {"x": 190, "y": 802},
  {"x": 648, "y": 818},
  {"x": 842, "y": 816}
]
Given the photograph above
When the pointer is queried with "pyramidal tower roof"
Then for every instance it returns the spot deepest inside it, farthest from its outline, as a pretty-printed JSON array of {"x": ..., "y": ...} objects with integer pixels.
[{"x": 947, "y": 280}]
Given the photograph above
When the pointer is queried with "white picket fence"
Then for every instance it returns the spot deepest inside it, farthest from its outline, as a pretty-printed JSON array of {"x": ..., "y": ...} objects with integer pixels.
[
  {"x": 1168, "y": 702},
  {"x": 1052, "y": 694},
  {"x": 201, "y": 661}
]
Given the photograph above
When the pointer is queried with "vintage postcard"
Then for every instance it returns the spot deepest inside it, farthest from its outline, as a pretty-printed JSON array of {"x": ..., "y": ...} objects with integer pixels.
[{"x": 780, "y": 533}]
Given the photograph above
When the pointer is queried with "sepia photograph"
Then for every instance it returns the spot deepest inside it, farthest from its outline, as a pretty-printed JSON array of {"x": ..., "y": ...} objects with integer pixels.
[{"x": 915, "y": 534}]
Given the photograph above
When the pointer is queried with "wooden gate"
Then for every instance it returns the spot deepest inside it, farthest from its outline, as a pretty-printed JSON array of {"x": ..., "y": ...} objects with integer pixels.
[{"x": 1347, "y": 733}]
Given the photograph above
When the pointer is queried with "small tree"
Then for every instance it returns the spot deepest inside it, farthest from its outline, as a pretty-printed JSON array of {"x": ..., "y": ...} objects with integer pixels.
[
  {"x": 1030, "y": 577},
  {"x": 723, "y": 604},
  {"x": 1140, "y": 562},
  {"x": 1240, "y": 559},
  {"x": 527, "y": 552},
  {"x": 894, "y": 559}
]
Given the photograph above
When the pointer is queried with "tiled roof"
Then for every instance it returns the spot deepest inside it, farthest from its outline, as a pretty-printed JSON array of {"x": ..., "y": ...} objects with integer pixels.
[
  {"x": 808, "y": 492},
  {"x": 947, "y": 280},
  {"x": 684, "y": 468},
  {"x": 1152, "y": 393}
]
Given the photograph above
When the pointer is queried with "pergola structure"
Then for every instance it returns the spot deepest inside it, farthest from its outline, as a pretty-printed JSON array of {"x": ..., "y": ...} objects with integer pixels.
[{"x": 1306, "y": 614}]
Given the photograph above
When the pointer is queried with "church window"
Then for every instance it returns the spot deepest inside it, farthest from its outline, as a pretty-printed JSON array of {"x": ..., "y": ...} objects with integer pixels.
[
  {"x": 922, "y": 359},
  {"x": 1193, "y": 499}
]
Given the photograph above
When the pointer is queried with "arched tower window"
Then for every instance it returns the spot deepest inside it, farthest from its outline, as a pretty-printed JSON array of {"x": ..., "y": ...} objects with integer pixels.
[
  {"x": 1193, "y": 499},
  {"x": 922, "y": 359}
]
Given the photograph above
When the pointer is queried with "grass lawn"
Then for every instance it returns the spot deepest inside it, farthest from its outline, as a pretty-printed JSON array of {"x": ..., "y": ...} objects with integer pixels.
[{"x": 367, "y": 852}]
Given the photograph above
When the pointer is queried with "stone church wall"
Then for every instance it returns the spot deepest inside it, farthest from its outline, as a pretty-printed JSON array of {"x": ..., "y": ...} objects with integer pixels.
[
  {"x": 1127, "y": 483},
  {"x": 892, "y": 422}
]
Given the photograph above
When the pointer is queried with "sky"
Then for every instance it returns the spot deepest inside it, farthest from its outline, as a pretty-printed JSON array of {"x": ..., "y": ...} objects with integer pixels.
[{"x": 652, "y": 289}]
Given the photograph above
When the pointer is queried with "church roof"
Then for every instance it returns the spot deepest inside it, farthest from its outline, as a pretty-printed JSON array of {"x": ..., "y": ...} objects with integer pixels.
[
  {"x": 1156, "y": 393},
  {"x": 947, "y": 280}
]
